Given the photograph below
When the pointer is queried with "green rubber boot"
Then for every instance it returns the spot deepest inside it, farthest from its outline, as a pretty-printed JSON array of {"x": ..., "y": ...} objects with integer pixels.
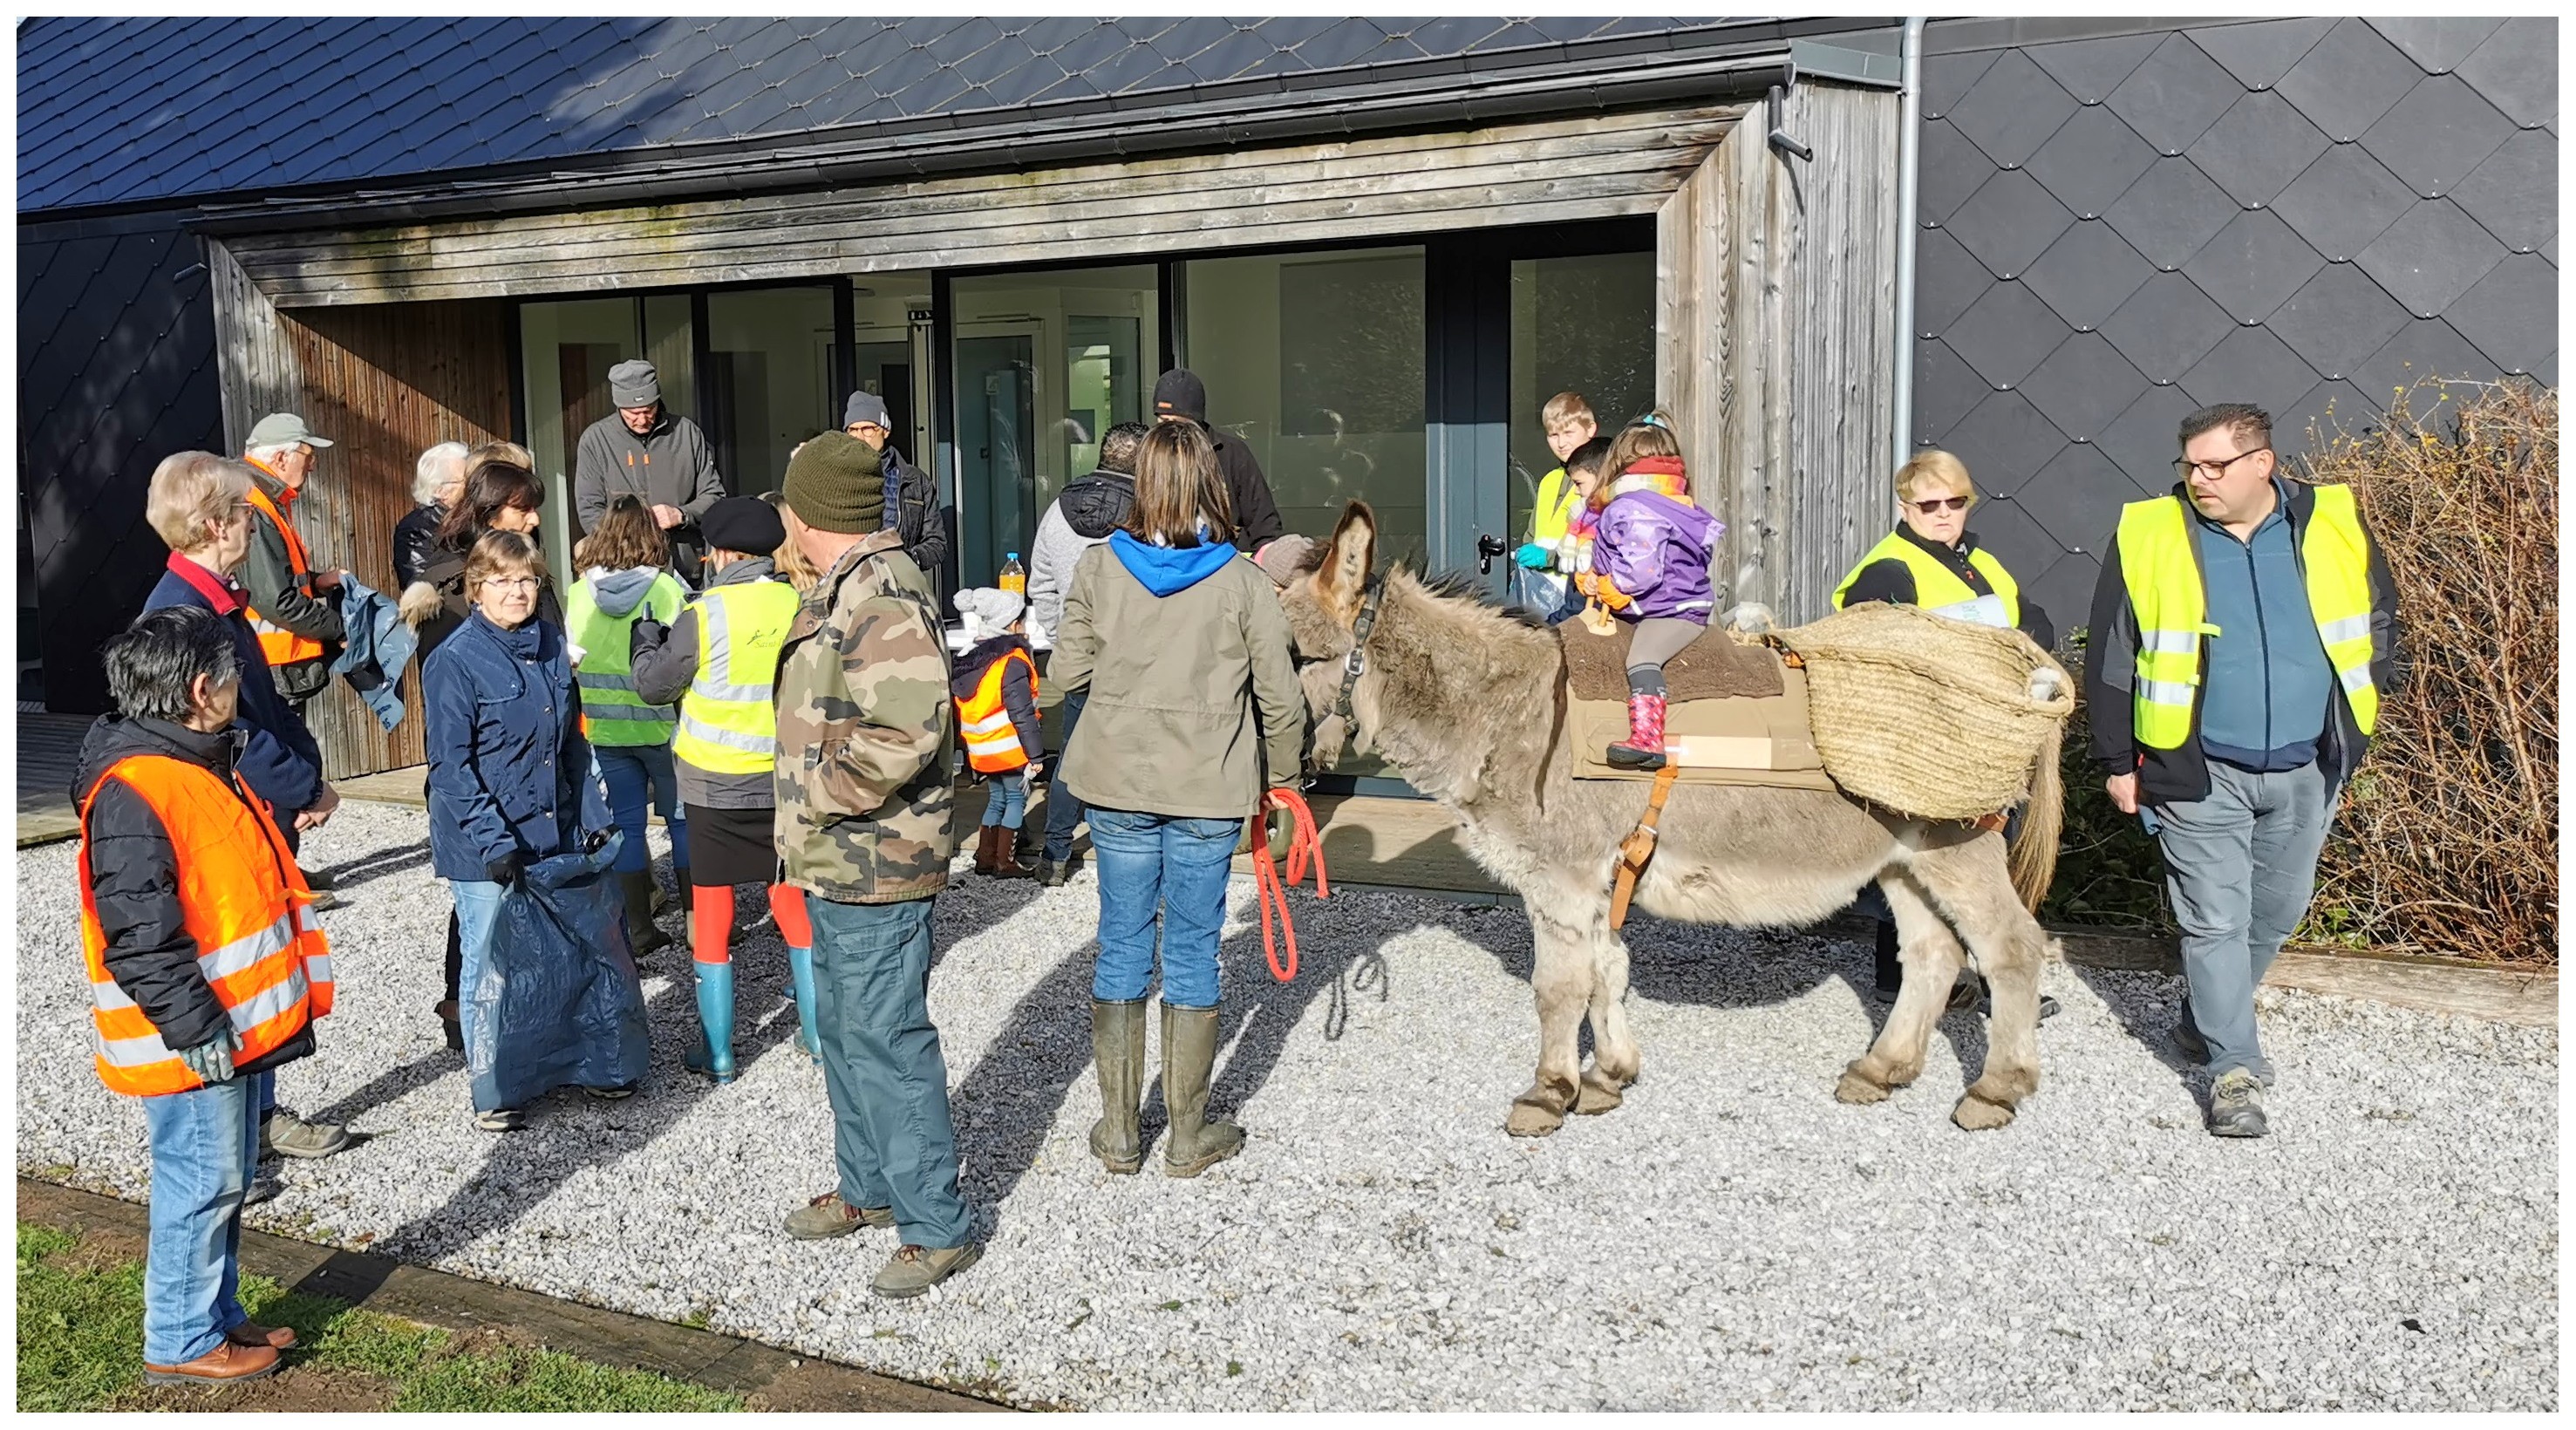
[
  {"x": 1189, "y": 1062},
  {"x": 713, "y": 1057},
  {"x": 800, "y": 970},
  {"x": 1118, "y": 1046}
]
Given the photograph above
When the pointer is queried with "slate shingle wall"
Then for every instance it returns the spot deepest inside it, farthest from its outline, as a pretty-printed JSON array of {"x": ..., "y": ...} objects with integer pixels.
[{"x": 2300, "y": 213}]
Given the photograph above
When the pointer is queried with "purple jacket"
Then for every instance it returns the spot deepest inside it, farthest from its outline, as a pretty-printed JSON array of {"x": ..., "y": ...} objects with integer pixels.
[{"x": 1656, "y": 550}]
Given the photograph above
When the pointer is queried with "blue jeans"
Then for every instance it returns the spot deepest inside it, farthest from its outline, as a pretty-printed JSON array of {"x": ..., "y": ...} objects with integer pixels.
[
  {"x": 882, "y": 1067},
  {"x": 1159, "y": 870},
  {"x": 204, "y": 1144},
  {"x": 1063, "y": 810},
  {"x": 1008, "y": 804},
  {"x": 629, "y": 770},
  {"x": 478, "y": 909},
  {"x": 2240, "y": 867}
]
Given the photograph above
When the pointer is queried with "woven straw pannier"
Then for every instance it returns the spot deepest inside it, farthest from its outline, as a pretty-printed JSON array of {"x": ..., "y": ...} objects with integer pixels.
[{"x": 1924, "y": 715}]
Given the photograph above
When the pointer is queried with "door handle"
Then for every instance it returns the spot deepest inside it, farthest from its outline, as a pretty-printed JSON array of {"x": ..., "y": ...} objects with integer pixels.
[{"x": 1487, "y": 548}]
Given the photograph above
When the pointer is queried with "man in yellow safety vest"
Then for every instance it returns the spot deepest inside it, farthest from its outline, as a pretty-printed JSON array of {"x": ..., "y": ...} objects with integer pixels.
[{"x": 2247, "y": 626}]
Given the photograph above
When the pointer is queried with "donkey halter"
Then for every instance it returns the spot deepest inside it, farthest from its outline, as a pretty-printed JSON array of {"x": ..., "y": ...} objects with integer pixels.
[{"x": 1355, "y": 664}]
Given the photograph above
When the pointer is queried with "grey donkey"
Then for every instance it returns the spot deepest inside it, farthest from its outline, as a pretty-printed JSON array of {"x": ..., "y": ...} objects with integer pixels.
[{"x": 1468, "y": 700}]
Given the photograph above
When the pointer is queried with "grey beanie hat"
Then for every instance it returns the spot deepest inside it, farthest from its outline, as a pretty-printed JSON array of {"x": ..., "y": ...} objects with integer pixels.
[
  {"x": 633, "y": 383},
  {"x": 865, "y": 406}
]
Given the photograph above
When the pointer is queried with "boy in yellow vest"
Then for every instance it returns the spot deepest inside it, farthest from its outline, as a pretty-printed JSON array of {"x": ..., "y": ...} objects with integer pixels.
[
  {"x": 206, "y": 969},
  {"x": 2245, "y": 627},
  {"x": 718, "y": 663},
  {"x": 995, "y": 685}
]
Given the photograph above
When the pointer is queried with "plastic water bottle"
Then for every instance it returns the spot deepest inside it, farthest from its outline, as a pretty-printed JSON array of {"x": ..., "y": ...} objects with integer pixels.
[{"x": 1014, "y": 577}]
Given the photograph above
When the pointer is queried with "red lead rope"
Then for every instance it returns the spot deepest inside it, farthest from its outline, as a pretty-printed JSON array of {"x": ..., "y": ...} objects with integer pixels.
[{"x": 1303, "y": 842}]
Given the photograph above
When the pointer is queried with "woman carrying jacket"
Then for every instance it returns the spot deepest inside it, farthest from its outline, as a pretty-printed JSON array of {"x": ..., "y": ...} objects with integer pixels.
[
  {"x": 1192, "y": 708},
  {"x": 510, "y": 776}
]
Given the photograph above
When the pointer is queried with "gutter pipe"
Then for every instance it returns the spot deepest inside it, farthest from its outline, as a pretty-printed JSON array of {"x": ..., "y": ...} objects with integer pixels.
[{"x": 1909, "y": 171}]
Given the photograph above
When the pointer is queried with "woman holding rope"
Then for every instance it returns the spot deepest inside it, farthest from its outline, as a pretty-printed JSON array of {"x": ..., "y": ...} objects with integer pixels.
[{"x": 1192, "y": 709}]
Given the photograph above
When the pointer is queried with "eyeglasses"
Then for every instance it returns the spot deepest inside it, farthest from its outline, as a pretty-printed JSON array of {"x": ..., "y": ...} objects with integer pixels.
[
  {"x": 509, "y": 583},
  {"x": 2184, "y": 467},
  {"x": 1929, "y": 505}
]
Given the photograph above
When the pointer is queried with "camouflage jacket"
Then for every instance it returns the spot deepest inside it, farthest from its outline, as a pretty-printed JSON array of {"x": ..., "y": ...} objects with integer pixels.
[{"x": 863, "y": 730}]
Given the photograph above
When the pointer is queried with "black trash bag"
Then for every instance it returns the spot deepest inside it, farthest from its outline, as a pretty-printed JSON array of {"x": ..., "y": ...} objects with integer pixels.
[{"x": 559, "y": 1002}]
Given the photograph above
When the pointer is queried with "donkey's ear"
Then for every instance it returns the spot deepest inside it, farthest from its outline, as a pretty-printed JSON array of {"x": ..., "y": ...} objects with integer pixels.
[{"x": 1344, "y": 574}]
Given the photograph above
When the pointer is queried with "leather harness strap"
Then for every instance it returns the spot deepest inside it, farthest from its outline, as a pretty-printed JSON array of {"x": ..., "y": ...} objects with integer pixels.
[
  {"x": 1355, "y": 663},
  {"x": 1638, "y": 849}
]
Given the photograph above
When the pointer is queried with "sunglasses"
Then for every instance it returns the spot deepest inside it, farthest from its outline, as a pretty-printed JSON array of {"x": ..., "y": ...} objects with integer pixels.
[{"x": 1935, "y": 504}]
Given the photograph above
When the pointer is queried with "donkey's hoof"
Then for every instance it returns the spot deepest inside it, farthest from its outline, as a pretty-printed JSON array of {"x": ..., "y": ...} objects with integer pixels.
[
  {"x": 1856, "y": 1088},
  {"x": 1599, "y": 1094},
  {"x": 1533, "y": 1119},
  {"x": 1976, "y": 1114}
]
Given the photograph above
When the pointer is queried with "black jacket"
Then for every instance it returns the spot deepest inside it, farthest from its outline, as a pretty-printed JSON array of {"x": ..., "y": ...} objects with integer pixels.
[
  {"x": 1096, "y": 505},
  {"x": 2111, "y": 670},
  {"x": 1256, "y": 514},
  {"x": 134, "y": 885},
  {"x": 913, "y": 509},
  {"x": 1892, "y": 581},
  {"x": 444, "y": 568},
  {"x": 415, "y": 540}
]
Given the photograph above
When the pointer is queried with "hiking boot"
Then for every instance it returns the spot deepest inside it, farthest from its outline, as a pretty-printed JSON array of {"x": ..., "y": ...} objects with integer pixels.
[
  {"x": 263, "y": 1188},
  {"x": 252, "y": 1333},
  {"x": 2187, "y": 1040},
  {"x": 1189, "y": 1060},
  {"x": 1054, "y": 873},
  {"x": 1644, "y": 747},
  {"x": 287, "y": 1135},
  {"x": 1985, "y": 998},
  {"x": 1118, "y": 1046},
  {"x": 324, "y": 901},
  {"x": 2236, "y": 1105},
  {"x": 619, "y": 1093},
  {"x": 318, "y": 881},
  {"x": 224, "y": 1365},
  {"x": 828, "y": 1215},
  {"x": 501, "y": 1119},
  {"x": 913, "y": 1270},
  {"x": 642, "y": 934}
]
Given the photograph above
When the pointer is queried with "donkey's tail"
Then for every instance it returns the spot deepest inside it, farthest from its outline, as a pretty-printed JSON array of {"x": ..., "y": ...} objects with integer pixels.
[{"x": 2033, "y": 857}]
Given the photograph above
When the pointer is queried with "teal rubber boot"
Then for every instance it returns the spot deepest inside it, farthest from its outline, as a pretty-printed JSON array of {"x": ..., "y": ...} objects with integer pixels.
[
  {"x": 800, "y": 968},
  {"x": 713, "y": 1057}
]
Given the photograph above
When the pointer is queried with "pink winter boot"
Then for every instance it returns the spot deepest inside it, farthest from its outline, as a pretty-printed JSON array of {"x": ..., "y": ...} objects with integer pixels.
[{"x": 1644, "y": 747}]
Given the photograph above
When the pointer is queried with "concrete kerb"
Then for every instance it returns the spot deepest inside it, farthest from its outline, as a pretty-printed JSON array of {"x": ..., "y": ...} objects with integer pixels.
[{"x": 769, "y": 1378}]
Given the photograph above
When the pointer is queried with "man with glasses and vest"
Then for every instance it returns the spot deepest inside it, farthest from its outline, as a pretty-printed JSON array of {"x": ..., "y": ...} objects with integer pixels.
[
  {"x": 206, "y": 969},
  {"x": 719, "y": 664},
  {"x": 2246, "y": 625},
  {"x": 293, "y": 607}
]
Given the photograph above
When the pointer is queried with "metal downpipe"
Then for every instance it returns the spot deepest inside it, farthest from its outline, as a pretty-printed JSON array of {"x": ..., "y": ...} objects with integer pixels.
[{"x": 1909, "y": 168}]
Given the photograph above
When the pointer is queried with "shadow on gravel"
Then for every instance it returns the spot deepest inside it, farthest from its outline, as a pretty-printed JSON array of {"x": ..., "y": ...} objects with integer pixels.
[
  {"x": 378, "y": 865},
  {"x": 391, "y": 1085},
  {"x": 1009, "y": 1101},
  {"x": 2151, "y": 1026}
]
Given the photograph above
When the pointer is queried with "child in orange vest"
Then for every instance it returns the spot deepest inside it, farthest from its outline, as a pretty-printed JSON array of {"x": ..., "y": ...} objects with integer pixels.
[{"x": 995, "y": 685}]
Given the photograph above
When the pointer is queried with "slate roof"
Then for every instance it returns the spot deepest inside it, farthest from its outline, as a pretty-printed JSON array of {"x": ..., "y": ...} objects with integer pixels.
[{"x": 129, "y": 112}]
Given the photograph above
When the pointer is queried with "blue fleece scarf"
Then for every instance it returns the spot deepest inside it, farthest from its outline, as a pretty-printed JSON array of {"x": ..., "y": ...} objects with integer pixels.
[{"x": 1165, "y": 570}]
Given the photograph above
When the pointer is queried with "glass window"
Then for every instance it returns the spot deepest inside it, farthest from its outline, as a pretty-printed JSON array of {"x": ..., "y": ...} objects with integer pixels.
[
  {"x": 567, "y": 349},
  {"x": 769, "y": 381},
  {"x": 1315, "y": 362},
  {"x": 1582, "y": 325},
  {"x": 1045, "y": 363}
]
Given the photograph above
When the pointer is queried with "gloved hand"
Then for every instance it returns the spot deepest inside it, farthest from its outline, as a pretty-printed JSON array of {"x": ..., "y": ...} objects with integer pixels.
[
  {"x": 505, "y": 870},
  {"x": 213, "y": 1061},
  {"x": 646, "y": 634},
  {"x": 596, "y": 840},
  {"x": 1533, "y": 556}
]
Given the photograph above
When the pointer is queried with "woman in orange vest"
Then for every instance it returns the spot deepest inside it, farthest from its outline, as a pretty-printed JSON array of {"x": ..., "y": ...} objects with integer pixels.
[
  {"x": 206, "y": 969},
  {"x": 995, "y": 685}
]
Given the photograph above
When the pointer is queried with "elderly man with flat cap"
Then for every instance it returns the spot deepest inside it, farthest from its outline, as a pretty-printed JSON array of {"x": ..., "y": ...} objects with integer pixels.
[
  {"x": 647, "y": 452},
  {"x": 911, "y": 495}
]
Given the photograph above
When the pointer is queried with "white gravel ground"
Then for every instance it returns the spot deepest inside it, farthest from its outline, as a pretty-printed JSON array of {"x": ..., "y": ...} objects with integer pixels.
[{"x": 1732, "y": 1238}]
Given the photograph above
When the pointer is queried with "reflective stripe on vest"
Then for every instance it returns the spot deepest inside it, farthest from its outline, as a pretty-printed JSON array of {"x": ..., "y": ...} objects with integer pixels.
[
  {"x": 1939, "y": 590},
  {"x": 277, "y": 644},
  {"x": 613, "y": 714},
  {"x": 2162, "y": 573},
  {"x": 243, "y": 902},
  {"x": 728, "y": 721},
  {"x": 992, "y": 741}
]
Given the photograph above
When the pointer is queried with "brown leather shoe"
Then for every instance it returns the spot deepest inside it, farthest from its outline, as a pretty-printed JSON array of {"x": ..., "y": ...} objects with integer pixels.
[
  {"x": 252, "y": 1333},
  {"x": 223, "y": 1365}
]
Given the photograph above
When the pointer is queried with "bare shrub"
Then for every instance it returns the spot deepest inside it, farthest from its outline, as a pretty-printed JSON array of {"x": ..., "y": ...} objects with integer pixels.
[{"x": 2448, "y": 842}]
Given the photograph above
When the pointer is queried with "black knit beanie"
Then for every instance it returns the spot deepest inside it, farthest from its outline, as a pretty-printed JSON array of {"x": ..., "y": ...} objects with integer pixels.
[{"x": 836, "y": 483}]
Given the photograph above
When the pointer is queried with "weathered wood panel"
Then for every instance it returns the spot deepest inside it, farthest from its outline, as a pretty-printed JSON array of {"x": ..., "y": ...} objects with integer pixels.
[
  {"x": 254, "y": 360},
  {"x": 1562, "y": 169},
  {"x": 1778, "y": 279}
]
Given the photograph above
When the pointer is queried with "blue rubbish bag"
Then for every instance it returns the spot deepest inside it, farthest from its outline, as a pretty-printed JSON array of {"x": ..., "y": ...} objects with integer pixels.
[{"x": 559, "y": 1002}]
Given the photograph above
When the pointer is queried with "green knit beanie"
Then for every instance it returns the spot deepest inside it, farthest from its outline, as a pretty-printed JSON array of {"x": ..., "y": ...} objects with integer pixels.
[{"x": 837, "y": 483}]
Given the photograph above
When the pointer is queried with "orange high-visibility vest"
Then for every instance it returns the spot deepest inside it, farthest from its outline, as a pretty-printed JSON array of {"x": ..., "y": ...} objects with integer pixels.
[
  {"x": 245, "y": 905},
  {"x": 280, "y": 645},
  {"x": 992, "y": 741}
]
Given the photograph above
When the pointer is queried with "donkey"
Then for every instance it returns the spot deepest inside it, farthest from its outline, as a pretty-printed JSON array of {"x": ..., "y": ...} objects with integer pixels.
[{"x": 1469, "y": 700}]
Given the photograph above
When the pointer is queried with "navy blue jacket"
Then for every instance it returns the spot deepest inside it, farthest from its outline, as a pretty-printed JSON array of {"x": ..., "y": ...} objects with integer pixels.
[
  {"x": 280, "y": 760},
  {"x": 509, "y": 771}
]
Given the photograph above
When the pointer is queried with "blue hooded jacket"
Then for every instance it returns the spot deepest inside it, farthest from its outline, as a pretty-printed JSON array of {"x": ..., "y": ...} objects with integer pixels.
[{"x": 1168, "y": 570}]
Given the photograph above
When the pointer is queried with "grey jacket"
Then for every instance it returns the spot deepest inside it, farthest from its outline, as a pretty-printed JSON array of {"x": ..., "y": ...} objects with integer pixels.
[
  {"x": 1193, "y": 707},
  {"x": 665, "y": 662},
  {"x": 672, "y": 465}
]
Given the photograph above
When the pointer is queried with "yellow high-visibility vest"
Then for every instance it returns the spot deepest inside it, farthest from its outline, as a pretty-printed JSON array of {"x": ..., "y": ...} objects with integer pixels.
[
  {"x": 728, "y": 718},
  {"x": 612, "y": 713},
  {"x": 2161, "y": 569},
  {"x": 1939, "y": 590}
]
